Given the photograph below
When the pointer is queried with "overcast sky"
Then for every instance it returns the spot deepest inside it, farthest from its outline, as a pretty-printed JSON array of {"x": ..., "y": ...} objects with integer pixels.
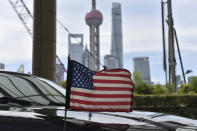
[{"x": 141, "y": 32}]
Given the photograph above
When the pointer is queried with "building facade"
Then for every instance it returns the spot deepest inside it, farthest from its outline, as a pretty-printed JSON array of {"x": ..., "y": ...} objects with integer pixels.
[
  {"x": 178, "y": 81},
  {"x": 141, "y": 66},
  {"x": 111, "y": 62},
  {"x": 59, "y": 73},
  {"x": 116, "y": 36},
  {"x": 75, "y": 47},
  {"x": 21, "y": 69},
  {"x": 86, "y": 57},
  {"x": 2, "y": 66},
  {"x": 77, "y": 51}
]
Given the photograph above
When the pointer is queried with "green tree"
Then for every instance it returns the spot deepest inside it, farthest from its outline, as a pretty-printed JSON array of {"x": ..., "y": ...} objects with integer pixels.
[
  {"x": 140, "y": 87},
  {"x": 193, "y": 84},
  {"x": 171, "y": 88},
  {"x": 159, "y": 89},
  {"x": 184, "y": 89}
]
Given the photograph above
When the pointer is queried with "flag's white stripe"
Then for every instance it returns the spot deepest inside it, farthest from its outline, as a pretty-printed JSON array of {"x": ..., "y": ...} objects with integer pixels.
[
  {"x": 121, "y": 73},
  {"x": 111, "y": 78},
  {"x": 100, "y": 107},
  {"x": 100, "y": 99},
  {"x": 99, "y": 92},
  {"x": 111, "y": 85}
]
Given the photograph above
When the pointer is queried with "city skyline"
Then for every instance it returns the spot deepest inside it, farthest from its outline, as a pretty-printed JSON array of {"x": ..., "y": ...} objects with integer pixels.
[{"x": 141, "y": 27}]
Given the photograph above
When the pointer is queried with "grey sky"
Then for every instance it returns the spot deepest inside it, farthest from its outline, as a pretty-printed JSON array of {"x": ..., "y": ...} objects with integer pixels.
[{"x": 141, "y": 30}]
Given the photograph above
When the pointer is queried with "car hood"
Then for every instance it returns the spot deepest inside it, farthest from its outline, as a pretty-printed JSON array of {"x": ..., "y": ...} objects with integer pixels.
[{"x": 136, "y": 120}]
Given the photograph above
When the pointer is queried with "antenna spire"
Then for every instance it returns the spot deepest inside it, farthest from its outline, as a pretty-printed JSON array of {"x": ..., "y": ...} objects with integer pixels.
[{"x": 93, "y": 4}]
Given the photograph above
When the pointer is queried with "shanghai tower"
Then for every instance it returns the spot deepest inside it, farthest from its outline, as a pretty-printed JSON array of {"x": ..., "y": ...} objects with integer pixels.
[{"x": 116, "y": 37}]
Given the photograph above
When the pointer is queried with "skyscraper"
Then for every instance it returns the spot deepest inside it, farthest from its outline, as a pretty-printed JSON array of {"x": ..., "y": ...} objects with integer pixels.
[
  {"x": 59, "y": 73},
  {"x": 86, "y": 57},
  {"x": 116, "y": 37},
  {"x": 21, "y": 69},
  {"x": 2, "y": 66},
  {"x": 94, "y": 19},
  {"x": 77, "y": 51},
  {"x": 141, "y": 66},
  {"x": 75, "y": 47}
]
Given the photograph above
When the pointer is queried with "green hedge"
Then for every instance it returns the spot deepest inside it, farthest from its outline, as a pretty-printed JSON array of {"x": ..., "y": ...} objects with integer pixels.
[{"x": 165, "y": 101}]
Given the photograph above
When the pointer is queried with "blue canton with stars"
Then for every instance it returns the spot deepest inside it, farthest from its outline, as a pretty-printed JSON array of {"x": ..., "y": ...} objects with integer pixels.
[{"x": 82, "y": 77}]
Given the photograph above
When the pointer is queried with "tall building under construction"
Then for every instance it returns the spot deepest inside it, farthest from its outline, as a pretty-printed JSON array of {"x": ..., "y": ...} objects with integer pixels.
[{"x": 116, "y": 37}]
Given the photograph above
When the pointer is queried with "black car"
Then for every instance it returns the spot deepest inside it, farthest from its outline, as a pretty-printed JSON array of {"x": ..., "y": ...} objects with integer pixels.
[{"x": 30, "y": 103}]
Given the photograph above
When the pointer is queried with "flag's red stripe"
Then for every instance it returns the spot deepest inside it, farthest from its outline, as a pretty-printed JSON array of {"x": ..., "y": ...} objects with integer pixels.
[
  {"x": 113, "y": 75},
  {"x": 101, "y": 95},
  {"x": 111, "y": 81},
  {"x": 97, "y": 103},
  {"x": 113, "y": 88},
  {"x": 99, "y": 110},
  {"x": 116, "y": 70}
]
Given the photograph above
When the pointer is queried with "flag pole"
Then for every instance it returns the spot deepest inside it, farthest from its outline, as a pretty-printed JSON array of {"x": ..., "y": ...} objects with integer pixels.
[
  {"x": 65, "y": 116},
  {"x": 67, "y": 95}
]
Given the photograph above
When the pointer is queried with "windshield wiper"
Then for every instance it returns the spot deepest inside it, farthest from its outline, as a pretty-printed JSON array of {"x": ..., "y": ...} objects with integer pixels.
[{"x": 9, "y": 100}]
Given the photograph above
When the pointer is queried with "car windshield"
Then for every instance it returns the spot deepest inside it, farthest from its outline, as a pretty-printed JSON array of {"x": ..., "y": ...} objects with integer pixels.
[{"x": 30, "y": 88}]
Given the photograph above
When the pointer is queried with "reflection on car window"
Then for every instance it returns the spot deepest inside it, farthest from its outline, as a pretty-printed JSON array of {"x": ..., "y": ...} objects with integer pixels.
[{"x": 30, "y": 88}]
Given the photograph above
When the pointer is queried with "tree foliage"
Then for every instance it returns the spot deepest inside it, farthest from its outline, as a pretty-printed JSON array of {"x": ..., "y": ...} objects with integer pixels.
[
  {"x": 171, "y": 88},
  {"x": 159, "y": 89},
  {"x": 63, "y": 84},
  {"x": 142, "y": 88},
  {"x": 190, "y": 88},
  {"x": 184, "y": 89},
  {"x": 193, "y": 84}
]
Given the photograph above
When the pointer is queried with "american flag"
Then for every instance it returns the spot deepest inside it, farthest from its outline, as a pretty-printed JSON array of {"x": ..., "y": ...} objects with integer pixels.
[{"x": 107, "y": 90}]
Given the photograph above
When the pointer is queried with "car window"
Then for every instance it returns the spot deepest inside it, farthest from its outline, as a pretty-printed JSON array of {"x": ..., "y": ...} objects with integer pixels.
[{"x": 31, "y": 89}]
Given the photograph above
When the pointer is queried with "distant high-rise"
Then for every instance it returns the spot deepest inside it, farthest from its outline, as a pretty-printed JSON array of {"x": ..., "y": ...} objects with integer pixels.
[
  {"x": 86, "y": 58},
  {"x": 21, "y": 69},
  {"x": 59, "y": 73},
  {"x": 116, "y": 36},
  {"x": 110, "y": 62},
  {"x": 178, "y": 81},
  {"x": 2, "y": 66},
  {"x": 94, "y": 19},
  {"x": 75, "y": 47},
  {"x": 141, "y": 66},
  {"x": 76, "y": 50}
]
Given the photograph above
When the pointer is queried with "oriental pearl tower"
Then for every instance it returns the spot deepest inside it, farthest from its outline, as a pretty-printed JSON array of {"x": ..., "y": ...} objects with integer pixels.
[{"x": 94, "y": 19}]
